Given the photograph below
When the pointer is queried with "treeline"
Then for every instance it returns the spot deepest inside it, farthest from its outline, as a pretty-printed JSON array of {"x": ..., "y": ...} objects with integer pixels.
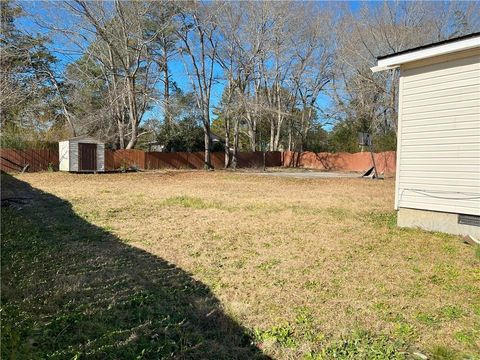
[{"x": 293, "y": 75}]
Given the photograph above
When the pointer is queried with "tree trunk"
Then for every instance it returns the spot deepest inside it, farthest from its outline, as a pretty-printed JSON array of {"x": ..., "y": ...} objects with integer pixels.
[
  {"x": 132, "y": 110},
  {"x": 208, "y": 141},
  {"x": 272, "y": 134},
  {"x": 166, "y": 95},
  {"x": 276, "y": 144},
  {"x": 252, "y": 132},
  {"x": 289, "y": 134},
  {"x": 227, "y": 142},
  {"x": 114, "y": 98},
  {"x": 207, "y": 158},
  {"x": 121, "y": 135},
  {"x": 236, "y": 127},
  {"x": 133, "y": 140}
]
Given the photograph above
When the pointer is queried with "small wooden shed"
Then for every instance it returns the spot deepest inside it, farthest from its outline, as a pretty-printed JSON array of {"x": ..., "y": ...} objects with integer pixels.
[{"x": 81, "y": 154}]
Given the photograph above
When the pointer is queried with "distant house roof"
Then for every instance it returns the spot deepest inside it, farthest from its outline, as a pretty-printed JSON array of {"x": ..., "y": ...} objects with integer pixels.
[
  {"x": 215, "y": 137},
  {"x": 461, "y": 43}
]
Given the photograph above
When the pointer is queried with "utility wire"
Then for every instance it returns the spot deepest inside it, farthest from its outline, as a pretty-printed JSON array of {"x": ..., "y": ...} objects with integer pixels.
[{"x": 431, "y": 193}]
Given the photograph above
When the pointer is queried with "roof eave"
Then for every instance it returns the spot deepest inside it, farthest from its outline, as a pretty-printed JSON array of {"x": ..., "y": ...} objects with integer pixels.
[
  {"x": 398, "y": 60},
  {"x": 383, "y": 68}
]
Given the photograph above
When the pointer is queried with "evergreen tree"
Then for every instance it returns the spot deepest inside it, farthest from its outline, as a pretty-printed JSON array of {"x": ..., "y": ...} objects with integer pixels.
[{"x": 26, "y": 105}]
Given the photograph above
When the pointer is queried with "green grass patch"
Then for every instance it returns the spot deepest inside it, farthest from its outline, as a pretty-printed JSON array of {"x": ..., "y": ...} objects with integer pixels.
[
  {"x": 383, "y": 219},
  {"x": 338, "y": 213},
  {"x": 467, "y": 336},
  {"x": 361, "y": 345},
  {"x": 192, "y": 202},
  {"x": 444, "y": 353},
  {"x": 427, "y": 319},
  {"x": 269, "y": 264},
  {"x": 188, "y": 202},
  {"x": 451, "y": 312},
  {"x": 282, "y": 335},
  {"x": 404, "y": 330}
]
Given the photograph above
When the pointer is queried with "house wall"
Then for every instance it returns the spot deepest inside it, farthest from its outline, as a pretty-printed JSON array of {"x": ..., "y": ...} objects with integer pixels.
[
  {"x": 73, "y": 154},
  {"x": 63, "y": 156},
  {"x": 438, "y": 153}
]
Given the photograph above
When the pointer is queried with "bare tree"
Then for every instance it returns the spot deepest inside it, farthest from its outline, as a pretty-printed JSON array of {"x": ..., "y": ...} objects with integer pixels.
[
  {"x": 115, "y": 36},
  {"x": 198, "y": 34},
  {"x": 387, "y": 28},
  {"x": 312, "y": 71}
]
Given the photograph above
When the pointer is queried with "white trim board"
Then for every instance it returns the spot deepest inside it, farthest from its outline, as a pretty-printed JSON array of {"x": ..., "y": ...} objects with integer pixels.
[{"x": 397, "y": 60}]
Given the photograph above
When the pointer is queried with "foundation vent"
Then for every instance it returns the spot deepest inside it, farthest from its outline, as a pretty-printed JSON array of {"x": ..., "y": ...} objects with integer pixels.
[{"x": 471, "y": 220}]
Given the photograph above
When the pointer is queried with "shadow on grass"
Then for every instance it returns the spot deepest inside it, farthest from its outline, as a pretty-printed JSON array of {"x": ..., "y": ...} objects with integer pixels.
[{"x": 73, "y": 290}]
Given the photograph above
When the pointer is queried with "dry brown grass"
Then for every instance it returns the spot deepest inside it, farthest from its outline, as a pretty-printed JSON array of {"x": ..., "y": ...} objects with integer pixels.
[{"x": 320, "y": 258}]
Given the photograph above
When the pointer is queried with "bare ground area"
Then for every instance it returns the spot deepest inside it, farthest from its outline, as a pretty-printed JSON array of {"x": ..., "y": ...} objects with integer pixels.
[{"x": 263, "y": 266}]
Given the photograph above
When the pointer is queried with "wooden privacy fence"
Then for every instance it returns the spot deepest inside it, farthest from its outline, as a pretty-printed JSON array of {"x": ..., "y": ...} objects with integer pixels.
[
  {"x": 12, "y": 160},
  {"x": 184, "y": 160},
  {"x": 385, "y": 161},
  {"x": 41, "y": 160}
]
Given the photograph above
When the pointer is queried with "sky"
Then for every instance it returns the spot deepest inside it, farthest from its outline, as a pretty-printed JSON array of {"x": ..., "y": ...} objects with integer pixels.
[{"x": 65, "y": 52}]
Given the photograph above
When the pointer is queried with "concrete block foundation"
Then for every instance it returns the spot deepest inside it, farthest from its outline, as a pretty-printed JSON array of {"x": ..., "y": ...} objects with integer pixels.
[{"x": 435, "y": 221}]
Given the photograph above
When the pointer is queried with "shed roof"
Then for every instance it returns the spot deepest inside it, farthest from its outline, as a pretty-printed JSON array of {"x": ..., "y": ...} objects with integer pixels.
[
  {"x": 390, "y": 61},
  {"x": 84, "y": 137}
]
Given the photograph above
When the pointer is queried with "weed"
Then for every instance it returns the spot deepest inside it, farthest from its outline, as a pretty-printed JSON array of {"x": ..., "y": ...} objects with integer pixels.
[
  {"x": 427, "y": 319},
  {"x": 268, "y": 265},
  {"x": 281, "y": 334},
  {"x": 361, "y": 345},
  {"x": 416, "y": 290},
  {"x": 416, "y": 269},
  {"x": 381, "y": 307},
  {"x": 449, "y": 249},
  {"x": 279, "y": 282},
  {"x": 303, "y": 316},
  {"x": 404, "y": 331},
  {"x": 451, "y": 312},
  {"x": 337, "y": 213},
  {"x": 240, "y": 263},
  {"x": 186, "y": 201},
  {"x": 466, "y": 336},
  {"x": 383, "y": 219},
  {"x": 195, "y": 254},
  {"x": 311, "y": 284},
  {"x": 443, "y": 353},
  {"x": 448, "y": 271}
]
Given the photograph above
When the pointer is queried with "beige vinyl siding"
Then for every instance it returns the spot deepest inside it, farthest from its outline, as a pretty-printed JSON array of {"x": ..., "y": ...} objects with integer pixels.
[{"x": 439, "y": 135}]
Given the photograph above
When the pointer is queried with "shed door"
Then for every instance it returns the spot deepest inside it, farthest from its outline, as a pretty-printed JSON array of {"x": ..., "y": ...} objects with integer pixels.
[{"x": 87, "y": 157}]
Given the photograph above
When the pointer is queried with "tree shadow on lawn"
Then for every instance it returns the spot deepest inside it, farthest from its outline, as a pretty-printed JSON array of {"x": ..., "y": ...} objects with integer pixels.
[{"x": 73, "y": 290}]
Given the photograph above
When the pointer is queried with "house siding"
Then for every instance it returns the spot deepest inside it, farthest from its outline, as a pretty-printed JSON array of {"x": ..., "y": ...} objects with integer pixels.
[{"x": 439, "y": 135}]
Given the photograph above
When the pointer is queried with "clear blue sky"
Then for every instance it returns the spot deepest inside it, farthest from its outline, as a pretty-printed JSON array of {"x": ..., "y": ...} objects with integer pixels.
[{"x": 67, "y": 53}]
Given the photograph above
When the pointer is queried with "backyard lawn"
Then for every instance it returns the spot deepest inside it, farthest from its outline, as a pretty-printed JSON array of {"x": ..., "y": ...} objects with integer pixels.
[{"x": 227, "y": 265}]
